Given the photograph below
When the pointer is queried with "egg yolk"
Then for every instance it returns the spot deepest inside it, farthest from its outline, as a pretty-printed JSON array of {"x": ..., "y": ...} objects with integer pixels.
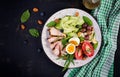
[
  {"x": 74, "y": 42},
  {"x": 70, "y": 48}
]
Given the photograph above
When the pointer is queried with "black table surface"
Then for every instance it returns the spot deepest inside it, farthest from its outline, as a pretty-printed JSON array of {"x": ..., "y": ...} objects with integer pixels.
[{"x": 22, "y": 55}]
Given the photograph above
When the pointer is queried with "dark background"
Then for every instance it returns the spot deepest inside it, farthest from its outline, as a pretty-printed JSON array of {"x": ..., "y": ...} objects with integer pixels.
[{"x": 22, "y": 55}]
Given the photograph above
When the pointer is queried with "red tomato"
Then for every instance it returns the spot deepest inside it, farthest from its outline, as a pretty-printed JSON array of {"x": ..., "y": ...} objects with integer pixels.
[
  {"x": 87, "y": 49},
  {"x": 78, "y": 54}
]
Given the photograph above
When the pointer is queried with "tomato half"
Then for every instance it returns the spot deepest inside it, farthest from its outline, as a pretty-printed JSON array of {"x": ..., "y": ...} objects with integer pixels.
[
  {"x": 78, "y": 54},
  {"x": 87, "y": 49}
]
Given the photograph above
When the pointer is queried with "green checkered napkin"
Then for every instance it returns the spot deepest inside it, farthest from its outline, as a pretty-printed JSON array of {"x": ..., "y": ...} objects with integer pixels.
[{"x": 108, "y": 17}]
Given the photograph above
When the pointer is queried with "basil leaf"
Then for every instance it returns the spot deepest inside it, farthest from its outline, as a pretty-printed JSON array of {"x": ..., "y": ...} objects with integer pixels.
[
  {"x": 95, "y": 45},
  {"x": 87, "y": 21},
  {"x": 34, "y": 32},
  {"x": 25, "y": 16},
  {"x": 52, "y": 23}
]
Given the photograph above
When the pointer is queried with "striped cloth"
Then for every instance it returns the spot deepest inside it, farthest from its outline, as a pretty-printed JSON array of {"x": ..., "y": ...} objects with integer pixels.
[{"x": 108, "y": 17}]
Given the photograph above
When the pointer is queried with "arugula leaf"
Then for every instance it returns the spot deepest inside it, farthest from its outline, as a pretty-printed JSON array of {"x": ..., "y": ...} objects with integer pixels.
[
  {"x": 52, "y": 23},
  {"x": 25, "y": 16},
  {"x": 88, "y": 20},
  {"x": 34, "y": 32}
]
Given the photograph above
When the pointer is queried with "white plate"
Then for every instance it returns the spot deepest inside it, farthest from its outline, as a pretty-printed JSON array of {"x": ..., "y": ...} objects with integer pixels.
[{"x": 60, "y": 14}]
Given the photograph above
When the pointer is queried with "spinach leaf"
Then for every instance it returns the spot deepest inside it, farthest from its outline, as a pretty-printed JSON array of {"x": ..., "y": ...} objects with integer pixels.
[
  {"x": 25, "y": 16},
  {"x": 65, "y": 41},
  {"x": 88, "y": 20},
  {"x": 34, "y": 32},
  {"x": 52, "y": 23}
]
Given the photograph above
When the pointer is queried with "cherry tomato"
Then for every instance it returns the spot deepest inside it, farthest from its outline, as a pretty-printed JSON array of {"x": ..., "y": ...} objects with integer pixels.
[
  {"x": 78, "y": 54},
  {"x": 87, "y": 49}
]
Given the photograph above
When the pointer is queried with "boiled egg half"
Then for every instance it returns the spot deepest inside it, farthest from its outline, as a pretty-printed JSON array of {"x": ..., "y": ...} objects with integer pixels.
[
  {"x": 70, "y": 48},
  {"x": 74, "y": 40}
]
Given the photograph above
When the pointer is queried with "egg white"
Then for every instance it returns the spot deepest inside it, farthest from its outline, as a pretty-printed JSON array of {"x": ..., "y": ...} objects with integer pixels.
[{"x": 75, "y": 39}]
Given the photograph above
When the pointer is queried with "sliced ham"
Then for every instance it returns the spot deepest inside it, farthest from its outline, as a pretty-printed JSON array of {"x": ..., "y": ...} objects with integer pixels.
[
  {"x": 52, "y": 46},
  {"x": 63, "y": 52},
  {"x": 54, "y": 32},
  {"x": 57, "y": 48},
  {"x": 56, "y": 51},
  {"x": 60, "y": 44},
  {"x": 53, "y": 39}
]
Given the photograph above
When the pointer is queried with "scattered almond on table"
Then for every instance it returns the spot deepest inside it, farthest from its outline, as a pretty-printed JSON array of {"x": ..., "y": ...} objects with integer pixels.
[
  {"x": 40, "y": 22},
  {"x": 22, "y": 27},
  {"x": 35, "y": 9}
]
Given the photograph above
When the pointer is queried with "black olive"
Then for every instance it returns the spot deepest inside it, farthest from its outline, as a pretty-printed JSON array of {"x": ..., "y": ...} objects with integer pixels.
[
  {"x": 78, "y": 26},
  {"x": 92, "y": 43},
  {"x": 61, "y": 30},
  {"x": 87, "y": 37}
]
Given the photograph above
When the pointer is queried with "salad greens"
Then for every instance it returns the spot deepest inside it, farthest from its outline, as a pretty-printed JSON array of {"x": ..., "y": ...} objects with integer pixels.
[
  {"x": 78, "y": 27},
  {"x": 25, "y": 16},
  {"x": 34, "y": 32},
  {"x": 51, "y": 24},
  {"x": 87, "y": 20},
  {"x": 81, "y": 38},
  {"x": 69, "y": 59},
  {"x": 95, "y": 45},
  {"x": 69, "y": 23},
  {"x": 64, "y": 41}
]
